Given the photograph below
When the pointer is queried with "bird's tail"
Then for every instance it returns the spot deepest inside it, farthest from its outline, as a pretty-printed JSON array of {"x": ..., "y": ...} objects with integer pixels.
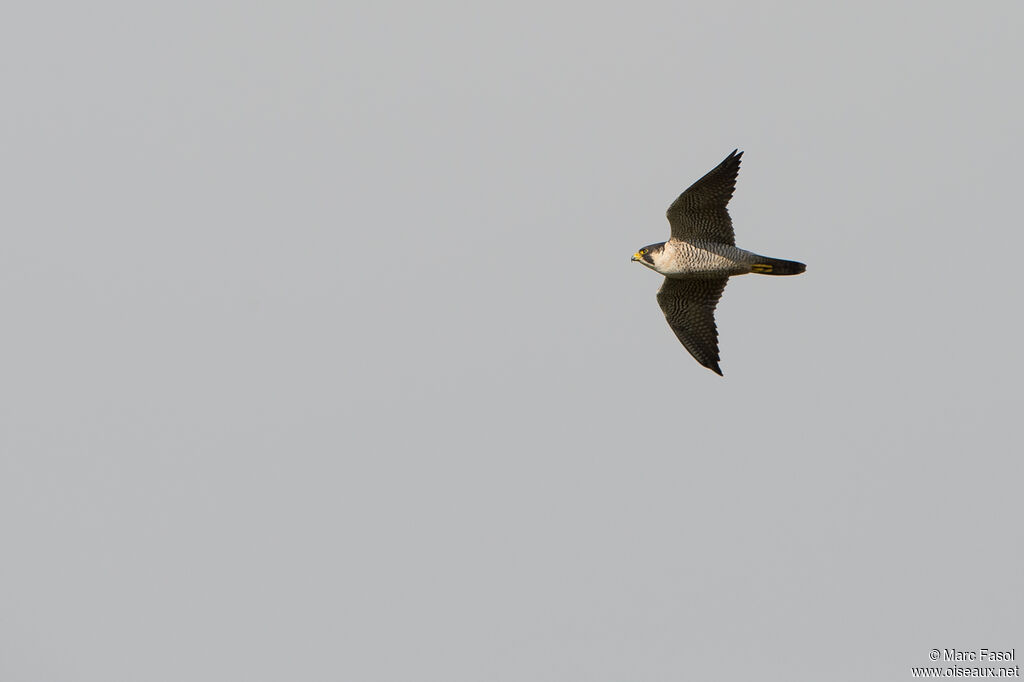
[{"x": 776, "y": 266}]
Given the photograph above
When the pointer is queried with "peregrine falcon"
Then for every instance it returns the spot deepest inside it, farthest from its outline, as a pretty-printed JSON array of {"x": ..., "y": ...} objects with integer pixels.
[{"x": 699, "y": 259}]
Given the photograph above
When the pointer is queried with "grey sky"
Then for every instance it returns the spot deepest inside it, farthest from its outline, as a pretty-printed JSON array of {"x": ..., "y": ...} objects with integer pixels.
[{"x": 323, "y": 357}]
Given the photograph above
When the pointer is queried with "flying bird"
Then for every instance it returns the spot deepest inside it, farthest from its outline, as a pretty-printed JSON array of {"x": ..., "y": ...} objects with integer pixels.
[{"x": 699, "y": 259}]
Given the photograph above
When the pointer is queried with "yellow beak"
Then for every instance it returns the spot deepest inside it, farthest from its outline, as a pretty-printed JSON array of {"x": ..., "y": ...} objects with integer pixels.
[{"x": 636, "y": 256}]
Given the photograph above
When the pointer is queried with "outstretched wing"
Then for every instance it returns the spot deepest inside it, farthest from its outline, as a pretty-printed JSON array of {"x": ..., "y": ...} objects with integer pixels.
[
  {"x": 689, "y": 306},
  {"x": 700, "y": 213}
]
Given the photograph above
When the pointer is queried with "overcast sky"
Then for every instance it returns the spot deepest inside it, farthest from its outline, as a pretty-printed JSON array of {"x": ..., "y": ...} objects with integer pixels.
[{"x": 323, "y": 357}]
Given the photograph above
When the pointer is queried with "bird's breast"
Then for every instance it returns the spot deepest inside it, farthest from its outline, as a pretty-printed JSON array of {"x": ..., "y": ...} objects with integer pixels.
[{"x": 685, "y": 259}]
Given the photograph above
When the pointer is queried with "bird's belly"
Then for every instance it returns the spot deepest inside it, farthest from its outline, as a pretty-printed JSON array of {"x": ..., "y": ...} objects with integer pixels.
[{"x": 695, "y": 261}]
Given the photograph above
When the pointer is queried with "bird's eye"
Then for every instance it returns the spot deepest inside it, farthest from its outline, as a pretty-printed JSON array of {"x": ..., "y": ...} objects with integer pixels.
[{"x": 643, "y": 251}]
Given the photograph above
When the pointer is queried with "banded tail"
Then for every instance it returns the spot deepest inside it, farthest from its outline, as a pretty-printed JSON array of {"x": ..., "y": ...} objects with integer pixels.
[{"x": 776, "y": 266}]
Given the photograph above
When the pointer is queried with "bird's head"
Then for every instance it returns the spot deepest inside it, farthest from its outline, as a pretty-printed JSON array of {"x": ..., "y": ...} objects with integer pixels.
[{"x": 649, "y": 254}]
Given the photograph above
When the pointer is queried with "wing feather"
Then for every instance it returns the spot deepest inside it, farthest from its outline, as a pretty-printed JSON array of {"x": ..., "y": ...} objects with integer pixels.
[
  {"x": 689, "y": 306},
  {"x": 700, "y": 212}
]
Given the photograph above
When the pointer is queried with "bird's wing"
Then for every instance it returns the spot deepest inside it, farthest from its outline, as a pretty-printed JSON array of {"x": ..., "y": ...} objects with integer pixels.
[
  {"x": 699, "y": 212},
  {"x": 689, "y": 306}
]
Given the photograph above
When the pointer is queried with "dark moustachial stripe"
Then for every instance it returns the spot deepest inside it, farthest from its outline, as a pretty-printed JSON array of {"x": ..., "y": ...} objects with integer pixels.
[{"x": 651, "y": 250}]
